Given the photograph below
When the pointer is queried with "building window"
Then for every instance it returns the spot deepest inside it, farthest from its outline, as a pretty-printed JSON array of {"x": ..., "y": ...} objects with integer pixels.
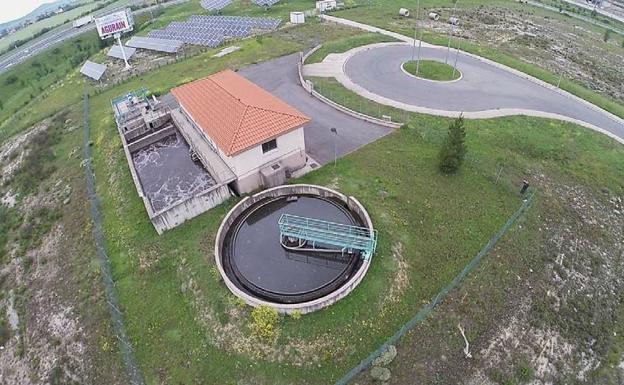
[{"x": 269, "y": 146}]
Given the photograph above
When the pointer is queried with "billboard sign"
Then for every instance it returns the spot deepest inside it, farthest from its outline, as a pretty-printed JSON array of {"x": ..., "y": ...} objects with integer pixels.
[{"x": 114, "y": 23}]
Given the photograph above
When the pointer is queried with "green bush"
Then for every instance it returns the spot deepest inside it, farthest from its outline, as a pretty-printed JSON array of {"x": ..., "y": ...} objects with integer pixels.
[
  {"x": 265, "y": 321},
  {"x": 454, "y": 149}
]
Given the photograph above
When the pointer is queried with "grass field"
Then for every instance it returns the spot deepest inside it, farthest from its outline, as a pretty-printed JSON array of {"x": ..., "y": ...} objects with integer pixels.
[
  {"x": 178, "y": 311},
  {"x": 26, "y": 83},
  {"x": 335, "y": 91},
  {"x": 432, "y": 70},
  {"x": 345, "y": 44}
]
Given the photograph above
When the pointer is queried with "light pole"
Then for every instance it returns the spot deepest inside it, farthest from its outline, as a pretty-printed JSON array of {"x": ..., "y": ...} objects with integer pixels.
[
  {"x": 334, "y": 131},
  {"x": 456, "y": 57},
  {"x": 448, "y": 47},
  {"x": 416, "y": 31},
  {"x": 419, "y": 47}
]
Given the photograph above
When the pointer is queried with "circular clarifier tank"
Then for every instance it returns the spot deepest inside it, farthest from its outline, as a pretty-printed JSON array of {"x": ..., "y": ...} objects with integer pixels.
[{"x": 262, "y": 266}]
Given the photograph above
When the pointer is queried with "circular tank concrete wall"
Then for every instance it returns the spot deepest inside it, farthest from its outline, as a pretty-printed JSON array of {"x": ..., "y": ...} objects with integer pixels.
[{"x": 354, "y": 206}]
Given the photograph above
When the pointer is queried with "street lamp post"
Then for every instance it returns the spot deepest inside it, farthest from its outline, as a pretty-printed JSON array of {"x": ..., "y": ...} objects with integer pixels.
[
  {"x": 452, "y": 31},
  {"x": 416, "y": 32},
  {"x": 456, "y": 57},
  {"x": 335, "y": 132}
]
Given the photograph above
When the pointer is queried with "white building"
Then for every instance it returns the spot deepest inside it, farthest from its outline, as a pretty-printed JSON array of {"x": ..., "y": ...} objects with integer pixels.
[
  {"x": 326, "y": 5},
  {"x": 258, "y": 136}
]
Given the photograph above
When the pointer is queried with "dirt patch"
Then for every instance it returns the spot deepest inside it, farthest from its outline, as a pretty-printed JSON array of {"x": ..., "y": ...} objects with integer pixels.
[
  {"x": 12, "y": 152},
  {"x": 52, "y": 304},
  {"x": 543, "y": 310},
  {"x": 558, "y": 45},
  {"x": 401, "y": 276}
]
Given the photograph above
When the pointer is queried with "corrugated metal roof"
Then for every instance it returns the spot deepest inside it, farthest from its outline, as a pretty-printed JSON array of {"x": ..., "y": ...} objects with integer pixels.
[{"x": 236, "y": 113}]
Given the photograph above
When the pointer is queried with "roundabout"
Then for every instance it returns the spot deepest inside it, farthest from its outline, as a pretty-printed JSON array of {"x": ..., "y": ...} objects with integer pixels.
[{"x": 485, "y": 90}]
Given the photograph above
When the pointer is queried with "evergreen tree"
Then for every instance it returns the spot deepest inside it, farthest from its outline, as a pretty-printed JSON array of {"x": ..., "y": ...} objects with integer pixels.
[{"x": 454, "y": 149}]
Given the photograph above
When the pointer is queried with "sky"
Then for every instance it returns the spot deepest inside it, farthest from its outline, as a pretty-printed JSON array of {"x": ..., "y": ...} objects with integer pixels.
[{"x": 14, "y": 9}]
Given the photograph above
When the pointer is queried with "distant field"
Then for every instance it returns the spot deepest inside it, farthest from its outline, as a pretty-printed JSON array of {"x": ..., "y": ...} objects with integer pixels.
[
  {"x": 51, "y": 22},
  {"x": 54, "y": 21}
]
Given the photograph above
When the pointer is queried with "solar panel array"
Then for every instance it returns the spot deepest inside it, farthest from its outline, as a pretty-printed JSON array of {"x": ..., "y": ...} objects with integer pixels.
[
  {"x": 215, "y": 5},
  {"x": 210, "y": 31},
  {"x": 265, "y": 3},
  {"x": 115, "y": 52},
  {"x": 162, "y": 45},
  {"x": 93, "y": 70}
]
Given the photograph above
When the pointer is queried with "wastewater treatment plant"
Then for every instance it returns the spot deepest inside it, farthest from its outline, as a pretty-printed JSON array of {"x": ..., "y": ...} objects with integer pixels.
[{"x": 312, "y": 192}]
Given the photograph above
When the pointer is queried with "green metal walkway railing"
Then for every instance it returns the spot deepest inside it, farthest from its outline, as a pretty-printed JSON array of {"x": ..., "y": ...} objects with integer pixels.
[{"x": 317, "y": 231}]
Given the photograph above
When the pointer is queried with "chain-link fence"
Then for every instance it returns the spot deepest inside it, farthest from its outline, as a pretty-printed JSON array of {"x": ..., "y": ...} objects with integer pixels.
[
  {"x": 424, "y": 312},
  {"x": 119, "y": 328}
]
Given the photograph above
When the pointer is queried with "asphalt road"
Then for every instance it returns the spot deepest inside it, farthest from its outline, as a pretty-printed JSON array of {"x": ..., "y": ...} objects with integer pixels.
[
  {"x": 280, "y": 77},
  {"x": 57, "y": 36},
  {"x": 482, "y": 87},
  {"x": 39, "y": 45}
]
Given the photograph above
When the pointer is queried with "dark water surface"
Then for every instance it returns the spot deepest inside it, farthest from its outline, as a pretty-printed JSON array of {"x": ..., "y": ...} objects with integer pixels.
[
  {"x": 260, "y": 258},
  {"x": 167, "y": 173}
]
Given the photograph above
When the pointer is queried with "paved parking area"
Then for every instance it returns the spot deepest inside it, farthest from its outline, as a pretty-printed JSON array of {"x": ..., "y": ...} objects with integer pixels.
[{"x": 280, "y": 77}]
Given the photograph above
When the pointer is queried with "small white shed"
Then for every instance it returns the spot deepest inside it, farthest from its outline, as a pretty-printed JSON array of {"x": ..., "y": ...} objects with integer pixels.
[{"x": 297, "y": 17}]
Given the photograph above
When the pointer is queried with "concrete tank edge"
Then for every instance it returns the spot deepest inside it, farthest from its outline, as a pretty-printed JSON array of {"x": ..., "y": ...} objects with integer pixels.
[{"x": 304, "y": 307}]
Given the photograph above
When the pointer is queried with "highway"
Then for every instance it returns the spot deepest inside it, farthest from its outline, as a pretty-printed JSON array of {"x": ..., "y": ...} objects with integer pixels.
[{"x": 60, "y": 35}]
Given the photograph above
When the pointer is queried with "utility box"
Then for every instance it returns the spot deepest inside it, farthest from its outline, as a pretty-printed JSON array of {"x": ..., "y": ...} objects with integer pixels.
[
  {"x": 326, "y": 5},
  {"x": 273, "y": 175},
  {"x": 297, "y": 17}
]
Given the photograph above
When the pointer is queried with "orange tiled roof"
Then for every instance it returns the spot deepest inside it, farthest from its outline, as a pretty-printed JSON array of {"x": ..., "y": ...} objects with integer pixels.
[{"x": 236, "y": 113}]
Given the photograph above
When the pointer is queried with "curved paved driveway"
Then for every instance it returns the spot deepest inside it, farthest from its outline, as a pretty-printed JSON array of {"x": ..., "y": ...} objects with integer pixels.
[{"x": 483, "y": 87}]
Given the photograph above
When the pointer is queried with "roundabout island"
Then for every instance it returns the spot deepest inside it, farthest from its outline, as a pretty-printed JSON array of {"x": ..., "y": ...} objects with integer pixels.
[{"x": 431, "y": 70}]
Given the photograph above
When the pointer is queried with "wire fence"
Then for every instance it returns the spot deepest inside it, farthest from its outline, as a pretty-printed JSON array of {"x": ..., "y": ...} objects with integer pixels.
[
  {"x": 426, "y": 310},
  {"x": 110, "y": 292},
  {"x": 336, "y": 93}
]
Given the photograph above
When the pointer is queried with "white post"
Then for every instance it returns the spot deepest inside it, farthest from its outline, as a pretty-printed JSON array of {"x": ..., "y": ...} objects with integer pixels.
[
  {"x": 451, "y": 33},
  {"x": 419, "y": 47},
  {"x": 416, "y": 32},
  {"x": 123, "y": 51},
  {"x": 456, "y": 57}
]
